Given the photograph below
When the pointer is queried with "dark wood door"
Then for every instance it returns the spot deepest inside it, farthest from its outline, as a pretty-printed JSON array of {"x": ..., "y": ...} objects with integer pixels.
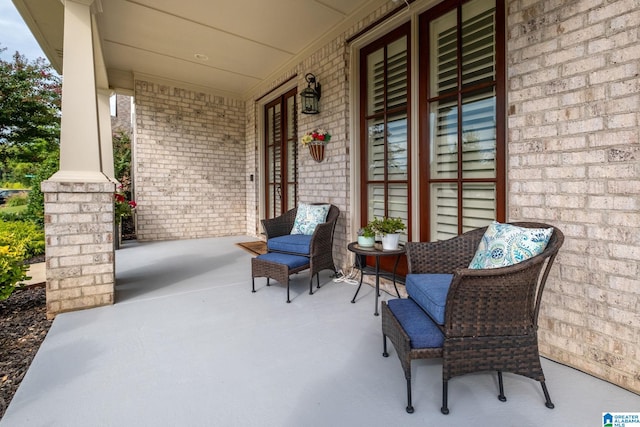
[{"x": 281, "y": 167}]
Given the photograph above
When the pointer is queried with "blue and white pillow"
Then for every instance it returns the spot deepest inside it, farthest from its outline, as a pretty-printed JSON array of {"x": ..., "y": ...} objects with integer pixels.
[
  {"x": 505, "y": 244},
  {"x": 308, "y": 217}
]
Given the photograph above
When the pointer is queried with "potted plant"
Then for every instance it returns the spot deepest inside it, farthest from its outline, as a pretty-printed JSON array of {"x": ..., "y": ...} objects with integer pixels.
[
  {"x": 388, "y": 228},
  {"x": 366, "y": 237},
  {"x": 123, "y": 208}
]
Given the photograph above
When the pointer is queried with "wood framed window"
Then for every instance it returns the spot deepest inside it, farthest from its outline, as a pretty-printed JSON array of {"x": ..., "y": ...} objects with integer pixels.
[
  {"x": 385, "y": 120},
  {"x": 462, "y": 117},
  {"x": 461, "y": 121}
]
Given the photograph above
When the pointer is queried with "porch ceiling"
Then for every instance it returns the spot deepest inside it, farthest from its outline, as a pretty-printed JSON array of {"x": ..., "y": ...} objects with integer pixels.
[{"x": 219, "y": 46}]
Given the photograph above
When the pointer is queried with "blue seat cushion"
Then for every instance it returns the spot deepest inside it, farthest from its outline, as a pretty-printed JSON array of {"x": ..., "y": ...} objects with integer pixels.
[
  {"x": 292, "y": 261},
  {"x": 430, "y": 292},
  {"x": 422, "y": 332},
  {"x": 294, "y": 243}
]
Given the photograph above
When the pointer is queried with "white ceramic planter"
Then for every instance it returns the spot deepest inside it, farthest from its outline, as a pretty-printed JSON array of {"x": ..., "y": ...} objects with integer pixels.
[{"x": 390, "y": 242}]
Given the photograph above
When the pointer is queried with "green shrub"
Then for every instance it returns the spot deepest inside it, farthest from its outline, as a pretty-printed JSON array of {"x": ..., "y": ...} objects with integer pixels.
[
  {"x": 12, "y": 185},
  {"x": 17, "y": 200},
  {"x": 19, "y": 240},
  {"x": 12, "y": 214},
  {"x": 35, "y": 207},
  {"x": 25, "y": 235},
  {"x": 12, "y": 269}
]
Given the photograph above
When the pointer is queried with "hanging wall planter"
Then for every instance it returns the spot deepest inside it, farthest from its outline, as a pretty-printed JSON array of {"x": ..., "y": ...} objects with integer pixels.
[
  {"x": 316, "y": 149},
  {"x": 316, "y": 141}
]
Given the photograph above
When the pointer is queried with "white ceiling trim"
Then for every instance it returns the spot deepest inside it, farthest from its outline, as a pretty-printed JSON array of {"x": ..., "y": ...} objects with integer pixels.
[
  {"x": 194, "y": 62},
  {"x": 192, "y": 21}
]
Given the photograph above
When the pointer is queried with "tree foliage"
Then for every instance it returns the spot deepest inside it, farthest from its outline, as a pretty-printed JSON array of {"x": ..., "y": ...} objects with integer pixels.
[
  {"x": 35, "y": 205},
  {"x": 122, "y": 155},
  {"x": 30, "y": 97}
]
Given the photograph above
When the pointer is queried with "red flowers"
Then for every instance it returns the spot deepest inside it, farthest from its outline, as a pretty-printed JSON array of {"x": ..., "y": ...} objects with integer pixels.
[
  {"x": 123, "y": 207},
  {"x": 317, "y": 135}
]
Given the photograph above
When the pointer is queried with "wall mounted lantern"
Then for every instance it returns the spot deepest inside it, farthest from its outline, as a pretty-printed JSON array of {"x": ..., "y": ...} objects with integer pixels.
[{"x": 310, "y": 95}]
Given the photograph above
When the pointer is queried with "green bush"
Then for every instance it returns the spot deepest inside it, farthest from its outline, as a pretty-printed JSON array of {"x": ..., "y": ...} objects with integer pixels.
[
  {"x": 25, "y": 235},
  {"x": 17, "y": 200},
  {"x": 12, "y": 269},
  {"x": 35, "y": 206},
  {"x": 12, "y": 214},
  {"x": 11, "y": 185},
  {"x": 19, "y": 240}
]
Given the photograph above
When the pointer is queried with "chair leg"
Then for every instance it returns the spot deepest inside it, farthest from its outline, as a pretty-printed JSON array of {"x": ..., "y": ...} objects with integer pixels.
[
  {"x": 409, "y": 406},
  {"x": 501, "y": 396},
  {"x": 548, "y": 402},
  {"x": 253, "y": 285},
  {"x": 384, "y": 346},
  {"x": 288, "y": 299},
  {"x": 318, "y": 280},
  {"x": 311, "y": 286},
  {"x": 445, "y": 392}
]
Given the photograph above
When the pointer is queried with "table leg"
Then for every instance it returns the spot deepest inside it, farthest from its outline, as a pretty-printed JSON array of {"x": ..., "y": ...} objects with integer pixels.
[
  {"x": 377, "y": 284},
  {"x": 395, "y": 266},
  {"x": 360, "y": 267}
]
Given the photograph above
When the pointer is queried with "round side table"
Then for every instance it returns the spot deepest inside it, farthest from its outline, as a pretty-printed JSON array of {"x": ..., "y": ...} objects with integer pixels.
[{"x": 377, "y": 253}]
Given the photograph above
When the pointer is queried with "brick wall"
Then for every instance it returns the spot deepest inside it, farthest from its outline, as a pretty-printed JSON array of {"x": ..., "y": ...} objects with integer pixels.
[
  {"x": 190, "y": 164},
  {"x": 573, "y": 153},
  {"x": 79, "y": 248},
  {"x": 121, "y": 122},
  {"x": 328, "y": 181}
]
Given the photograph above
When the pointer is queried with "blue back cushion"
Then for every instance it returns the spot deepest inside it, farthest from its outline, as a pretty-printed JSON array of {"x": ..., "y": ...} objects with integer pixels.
[
  {"x": 294, "y": 243},
  {"x": 430, "y": 291},
  {"x": 415, "y": 322},
  {"x": 292, "y": 261}
]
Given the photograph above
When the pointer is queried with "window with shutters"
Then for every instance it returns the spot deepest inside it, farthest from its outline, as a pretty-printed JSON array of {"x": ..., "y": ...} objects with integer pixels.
[
  {"x": 460, "y": 121},
  {"x": 384, "y": 128},
  {"x": 462, "y": 106}
]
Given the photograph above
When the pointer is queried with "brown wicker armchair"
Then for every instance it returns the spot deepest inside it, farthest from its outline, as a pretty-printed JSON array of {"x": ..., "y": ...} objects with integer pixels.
[
  {"x": 319, "y": 249},
  {"x": 490, "y": 315}
]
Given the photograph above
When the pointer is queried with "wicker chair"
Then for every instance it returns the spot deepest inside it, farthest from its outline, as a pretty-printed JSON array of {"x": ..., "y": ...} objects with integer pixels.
[
  {"x": 491, "y": 315},
  {"x": 320, "y": 251}
]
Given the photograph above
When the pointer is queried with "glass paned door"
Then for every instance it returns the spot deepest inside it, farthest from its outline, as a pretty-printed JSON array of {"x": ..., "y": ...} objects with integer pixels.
[{"x": 281, "y": 154}]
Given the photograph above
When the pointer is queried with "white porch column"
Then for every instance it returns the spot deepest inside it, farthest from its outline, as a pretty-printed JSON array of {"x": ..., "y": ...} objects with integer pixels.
[
  {"x": 106, "y": 138},
  {"x": 79, "y": 130},
  {"x": 79, "y": 197}
]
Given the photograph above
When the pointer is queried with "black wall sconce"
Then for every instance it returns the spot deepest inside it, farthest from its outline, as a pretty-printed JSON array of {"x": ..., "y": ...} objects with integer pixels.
[{"x": 310, "y": 95}]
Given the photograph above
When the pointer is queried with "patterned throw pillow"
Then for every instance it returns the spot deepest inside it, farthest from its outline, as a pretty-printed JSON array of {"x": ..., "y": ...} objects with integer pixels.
[
  {"x": 308, "y": 217},
  {"x": 505, "y": 244}
]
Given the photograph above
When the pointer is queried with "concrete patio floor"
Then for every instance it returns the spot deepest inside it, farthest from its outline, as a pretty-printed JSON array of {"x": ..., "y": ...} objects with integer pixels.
[{"x": 188, "y": 344}]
